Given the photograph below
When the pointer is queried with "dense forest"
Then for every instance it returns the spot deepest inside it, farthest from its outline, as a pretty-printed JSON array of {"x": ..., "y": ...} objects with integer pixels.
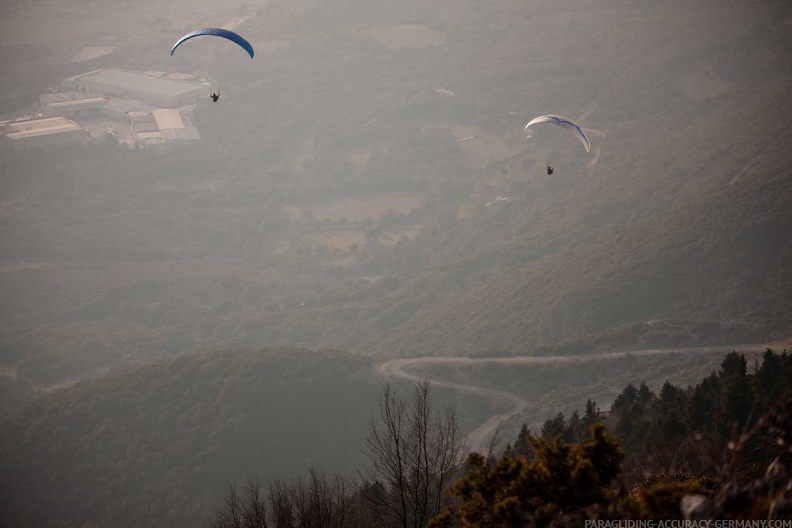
[
  {"x": 688, "y": 429},
  {"x": 719, "y": 450}
]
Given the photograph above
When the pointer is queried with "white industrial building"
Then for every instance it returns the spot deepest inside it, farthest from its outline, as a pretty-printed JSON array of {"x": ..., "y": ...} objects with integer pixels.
[
  {"x": 151, "y": 89},
  {"x": 70, "y": 104},
  {"x": 118, "y": 109},
  {"x": 147, "y": 109},
  {"x": 44, "y": 132},
  {"x": 162, "y": 128}
]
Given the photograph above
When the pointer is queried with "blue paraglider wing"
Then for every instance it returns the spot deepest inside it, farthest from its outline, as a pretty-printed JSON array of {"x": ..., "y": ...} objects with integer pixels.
[
  {"x": 216, "y": 32},
  {"x": 563, "y": 122}
]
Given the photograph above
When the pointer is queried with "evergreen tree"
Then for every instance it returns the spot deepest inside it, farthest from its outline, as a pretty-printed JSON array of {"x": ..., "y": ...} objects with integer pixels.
[
  {"x": 522, "y": 447},
  {"x": 592, "y": 414},
  {"x": 627, "y": 397},
  {"x": 574, "y": 430},
  {"x": 645, "y": 394},
  {"x": 736, "y": 395},
  {"x": 704, "y": 404},
  {"x": 564, "y": 479},
  {"x": 669, "y": 414},
  {"x": 554, "y": 427},
  {"x": 770, "y": 377},
  {"x": 632, "y": 414},
  {"x": 733, "y": 364}
]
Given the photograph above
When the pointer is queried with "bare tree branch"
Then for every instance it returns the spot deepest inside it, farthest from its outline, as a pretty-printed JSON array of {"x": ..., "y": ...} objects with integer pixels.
[{"x": 414, "y": 451}]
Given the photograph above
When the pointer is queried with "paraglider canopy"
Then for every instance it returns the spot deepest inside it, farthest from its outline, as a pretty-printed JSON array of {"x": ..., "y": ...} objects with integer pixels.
[
  {"x": 216, "y": 32},
  {"x": 563, "y": 122}
]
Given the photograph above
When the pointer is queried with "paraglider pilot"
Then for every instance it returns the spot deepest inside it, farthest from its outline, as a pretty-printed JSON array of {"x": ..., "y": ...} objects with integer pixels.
[
  {"x": 215, "y": 96},
  {"x": 550, "y": 170}
]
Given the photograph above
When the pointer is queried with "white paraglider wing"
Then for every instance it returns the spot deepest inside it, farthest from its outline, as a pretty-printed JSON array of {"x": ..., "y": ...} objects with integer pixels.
[{"x": 563, "y": 122}]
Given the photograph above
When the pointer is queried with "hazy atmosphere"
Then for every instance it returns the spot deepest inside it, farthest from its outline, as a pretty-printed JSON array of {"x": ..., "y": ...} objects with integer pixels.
[{"x": 243, "y": 255}]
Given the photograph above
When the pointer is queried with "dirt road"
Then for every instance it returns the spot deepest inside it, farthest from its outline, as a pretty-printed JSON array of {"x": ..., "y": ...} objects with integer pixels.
[{"x": 480, "y": 438}]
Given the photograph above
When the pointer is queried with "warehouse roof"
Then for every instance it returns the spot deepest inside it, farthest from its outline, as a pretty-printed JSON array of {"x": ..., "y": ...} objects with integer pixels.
[
  {"x": 41, "y": 127},
  {"x": 79, "y": 102},
  {"x": 68, "y": 97},
  {"x": 123, "y": 106},
  {"x": 131, "y": 80},
  {"x": 168, "y": 119}
]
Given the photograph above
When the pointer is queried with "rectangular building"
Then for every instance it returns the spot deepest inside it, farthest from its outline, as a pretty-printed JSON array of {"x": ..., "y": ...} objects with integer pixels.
[
  {"x": 162, "y": 128},
  {"x": 44, "y": 132},
  {"x": 119, "y": 109},
  {"x": 70, "y": 104},
  {"x": 155, "y": 90}
]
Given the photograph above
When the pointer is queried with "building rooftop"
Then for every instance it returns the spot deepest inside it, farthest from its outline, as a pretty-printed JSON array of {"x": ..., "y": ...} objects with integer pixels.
[
  {"x": 67, "y": 97},
  {"x": 41, "y": 127},
  {"x": 78, "y": 102},
  {"x": 150, "y": 135},
  {"x": 131, "y": 80},
  {"x": 123, "y": 106},
  {"x": 185, "y": 134},
  {"x": 167, "y": 119}
]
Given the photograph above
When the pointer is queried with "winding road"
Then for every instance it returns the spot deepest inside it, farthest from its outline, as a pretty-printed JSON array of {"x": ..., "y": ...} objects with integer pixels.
[{"x": 479, "y": 439}]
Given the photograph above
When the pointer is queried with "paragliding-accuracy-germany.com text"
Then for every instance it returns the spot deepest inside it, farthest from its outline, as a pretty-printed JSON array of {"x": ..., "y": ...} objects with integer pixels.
[{"x": 678, "y": 523}]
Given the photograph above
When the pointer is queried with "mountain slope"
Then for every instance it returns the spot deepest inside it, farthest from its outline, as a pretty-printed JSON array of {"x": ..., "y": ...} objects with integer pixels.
[
  {"x": 685, "y": 215},
  {"x": 155, "y": 444},
  {"x": 338, "y": 198}
]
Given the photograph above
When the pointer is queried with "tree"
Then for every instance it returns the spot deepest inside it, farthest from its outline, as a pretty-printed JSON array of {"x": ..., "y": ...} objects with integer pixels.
[
  {"x": 644, "y": 394},
  {"x": 521, "y": 446},
  {"x": 563, "y": 480},
  {"x": 704, "y": 404},
  {"x": 736, "y": 393},
  {"x": 414, "y": 452},
  {"x": 770, "y": 380},
  {"x": 317, "y": 501},
  {"x": 592, "y": 414},
  {"x": 669, "y": 418},
  {"x": 248, "y": 510},
  {"x": 625, "y": 399},
  {"x": 554, "y": 426},
  {"x": 575, "y": 432},
  {"x": 733, "y": 364},
  {"x": 630, "y": 412}
]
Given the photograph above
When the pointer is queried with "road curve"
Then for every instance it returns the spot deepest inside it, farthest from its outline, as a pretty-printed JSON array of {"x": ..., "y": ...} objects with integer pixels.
[{"x": 479, "y": 439}]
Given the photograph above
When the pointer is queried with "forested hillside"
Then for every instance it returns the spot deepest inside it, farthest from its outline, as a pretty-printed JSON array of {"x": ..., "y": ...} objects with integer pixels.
[
  {"x": 339, "y": 197},
  {"x": 687, "y": 429},
  {"x": 684, "y": 216},
  {"x": 365, "y": 189},
  {"x": 716, "y": 450},
  {"x": 152, "y": 445}
]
